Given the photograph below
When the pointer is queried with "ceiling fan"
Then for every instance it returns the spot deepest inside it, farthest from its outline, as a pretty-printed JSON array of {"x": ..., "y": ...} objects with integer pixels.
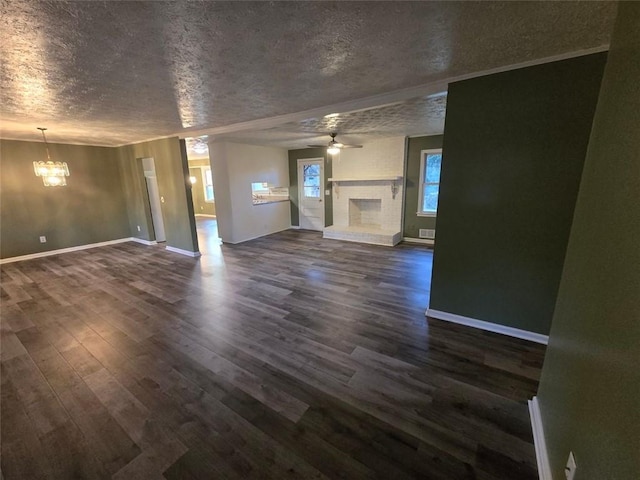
[{"x": 334, "y": 147}]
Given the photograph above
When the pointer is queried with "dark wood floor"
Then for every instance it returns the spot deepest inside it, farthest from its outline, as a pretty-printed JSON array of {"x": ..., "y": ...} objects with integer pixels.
[{"x": 288, "y": 356}]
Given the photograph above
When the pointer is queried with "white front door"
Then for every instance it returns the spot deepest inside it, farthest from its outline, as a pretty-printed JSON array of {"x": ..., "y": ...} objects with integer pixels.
[{"x": 310, "y": 193}]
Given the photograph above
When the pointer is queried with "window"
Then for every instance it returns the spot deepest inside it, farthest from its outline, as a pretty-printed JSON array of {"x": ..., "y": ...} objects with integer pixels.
[
  {"x": 208, "y": 185},
  {"x": 311, "y": 181},
  {"x": 429, "y": 182}
]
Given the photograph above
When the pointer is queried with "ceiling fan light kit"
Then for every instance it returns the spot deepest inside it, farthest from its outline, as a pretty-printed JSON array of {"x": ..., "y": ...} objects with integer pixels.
[{"x": 334, "y": 147}]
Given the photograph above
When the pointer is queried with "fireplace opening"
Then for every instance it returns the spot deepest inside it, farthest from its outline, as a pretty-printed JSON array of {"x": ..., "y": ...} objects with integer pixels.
[{"x": 365, "y": 212}]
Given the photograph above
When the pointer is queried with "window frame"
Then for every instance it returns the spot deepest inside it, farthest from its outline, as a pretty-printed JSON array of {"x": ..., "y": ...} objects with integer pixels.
[
  {"x": 205, "y": 184},
  {"x": 423, "y": 165}
]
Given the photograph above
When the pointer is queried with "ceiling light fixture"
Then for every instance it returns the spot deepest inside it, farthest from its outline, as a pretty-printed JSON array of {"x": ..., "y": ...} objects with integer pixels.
[
  {"x": 200, "y": 147},
  {"x": 334, "y": 147},
  {"x": 53, "y": 173}
]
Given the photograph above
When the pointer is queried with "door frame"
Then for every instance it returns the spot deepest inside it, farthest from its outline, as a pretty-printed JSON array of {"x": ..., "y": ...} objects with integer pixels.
[{"x": 301, "y": 161}]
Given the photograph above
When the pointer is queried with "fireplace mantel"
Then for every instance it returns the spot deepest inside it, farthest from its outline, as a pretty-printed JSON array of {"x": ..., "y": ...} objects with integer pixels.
[
  {"x": 393, "y": 179},
  {"x": 390, "y": 178}
]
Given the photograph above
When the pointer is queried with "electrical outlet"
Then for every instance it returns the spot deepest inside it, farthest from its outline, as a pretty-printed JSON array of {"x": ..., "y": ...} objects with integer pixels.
[
  {"x": 570, "y": 469},
  {"x": 43, "y": 239},
  {"x": 138, "y": 227}
]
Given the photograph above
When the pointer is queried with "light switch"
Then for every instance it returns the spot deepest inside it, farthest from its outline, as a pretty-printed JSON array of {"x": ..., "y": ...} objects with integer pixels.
[{"x": 327, "y": 192}]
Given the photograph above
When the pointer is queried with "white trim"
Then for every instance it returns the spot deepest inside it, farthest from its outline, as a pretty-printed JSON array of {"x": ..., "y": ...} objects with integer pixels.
[
  {"x": 182, "y": 252},
  {"x": 421, "y": 183},
  {"x": 300, "y": 184},
  {"x": 423, "y": 241},
  {"x": 542, "y": 458},
  {"x": 294, "y": 227},
  {"x": 491, "y": 327},
  {"x": 48, "y": 253},
  {"x": 204, "y": 215},
  {"x": 236, "y": 242},
  {"x": 143, "y": 241}
]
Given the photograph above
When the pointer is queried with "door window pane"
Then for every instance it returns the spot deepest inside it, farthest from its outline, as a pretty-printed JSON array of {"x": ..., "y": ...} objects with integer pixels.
[
  {"x": 312, "y": 192},
  {"x": 312, "y": 169},
  {"x": 311, "y": 181}
]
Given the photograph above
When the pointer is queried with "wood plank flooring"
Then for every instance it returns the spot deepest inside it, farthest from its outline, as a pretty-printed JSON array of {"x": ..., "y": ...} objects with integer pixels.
[{"x": 288, "y": 356}]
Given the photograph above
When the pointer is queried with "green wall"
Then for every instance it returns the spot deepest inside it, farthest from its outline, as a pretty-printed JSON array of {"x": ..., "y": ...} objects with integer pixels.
[
  {"x": 90, "y": 209},
  {"x": 172, "y": 172},
  {"x": 294, "y": 155},
  {"x": 412, "y": 221},
  {"x": 589, "y": 392},
  {"x": 513, "y": 152}
]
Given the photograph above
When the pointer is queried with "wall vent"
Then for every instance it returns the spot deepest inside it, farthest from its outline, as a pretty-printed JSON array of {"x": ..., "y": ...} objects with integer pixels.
[{"x": 427, "y": 233}]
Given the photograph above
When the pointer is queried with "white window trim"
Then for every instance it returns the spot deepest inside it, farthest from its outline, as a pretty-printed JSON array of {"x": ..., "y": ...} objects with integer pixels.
[
  {"x": 423, "y": 158},
  {"x": 203, "y": 170}
]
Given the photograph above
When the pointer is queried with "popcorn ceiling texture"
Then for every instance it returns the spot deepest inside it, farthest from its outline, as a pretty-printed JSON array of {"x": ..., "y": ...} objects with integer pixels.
[
  {"x": 110, "y": 73},
  {"x": 422, "y": 115}
]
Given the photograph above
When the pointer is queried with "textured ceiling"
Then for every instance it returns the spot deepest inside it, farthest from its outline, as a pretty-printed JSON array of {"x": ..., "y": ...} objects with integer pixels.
[
  {"x": 422, "y": 115},
  {"x": 109, "y": 73}
]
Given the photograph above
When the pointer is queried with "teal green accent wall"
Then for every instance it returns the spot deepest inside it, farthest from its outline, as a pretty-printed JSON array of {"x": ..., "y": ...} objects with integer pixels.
[
  {"x": 90, "y": 209},
  {"x": 412, "y": 221},
  {"x": 513, "y": 151},
  {"x": 294, "y": 155},
  {"x": 589, "y": 391},
  {"x": 172, "y": 172}
]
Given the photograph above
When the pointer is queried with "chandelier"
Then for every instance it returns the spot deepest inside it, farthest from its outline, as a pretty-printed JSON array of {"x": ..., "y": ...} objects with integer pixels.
[{"x": 53, "y": 173}]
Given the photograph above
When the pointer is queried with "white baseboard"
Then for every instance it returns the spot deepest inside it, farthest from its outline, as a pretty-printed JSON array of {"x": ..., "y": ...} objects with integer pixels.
[
  {"x": 143, "y": 241},
  {"x": 423, "y": 241},
  {"x": 491, "y": 327},
  {"x": 182, "y": 252},
  {"x": 542, "y": 458},
  {"x": 294, "y": 227},
  {"x": 236, "y": 242},
  {"x": 48, "y": 253}
]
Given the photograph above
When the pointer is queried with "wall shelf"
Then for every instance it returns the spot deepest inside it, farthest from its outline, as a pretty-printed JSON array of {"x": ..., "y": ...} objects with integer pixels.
[
  {"x": 366, "y": 179},
  {"x": 392, "y": 179}
]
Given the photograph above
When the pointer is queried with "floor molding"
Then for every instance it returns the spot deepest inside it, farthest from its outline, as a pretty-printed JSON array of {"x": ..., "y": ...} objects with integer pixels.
[
  {"x": 295, "y": 227},
  {"x": 491, "y": 327},
  {"x": 58, "y": 251},
  {"x": 422, "y": 241},
  {"x": 143, "y": 241},
  {"x": 183, "y": 252},
  {"x": 542, "y": 458}
]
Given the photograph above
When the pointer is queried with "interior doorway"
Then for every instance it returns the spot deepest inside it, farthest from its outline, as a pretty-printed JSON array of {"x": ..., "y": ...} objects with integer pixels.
[
  {"x": 310, "y": 193},
  {"x": 155, "y": 200}
]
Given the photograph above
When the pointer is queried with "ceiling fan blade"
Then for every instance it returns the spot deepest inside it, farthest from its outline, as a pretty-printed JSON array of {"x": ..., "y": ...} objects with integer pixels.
[
  {"x": 351, "y": 146},
  {"x": 317, "y": 146}
]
